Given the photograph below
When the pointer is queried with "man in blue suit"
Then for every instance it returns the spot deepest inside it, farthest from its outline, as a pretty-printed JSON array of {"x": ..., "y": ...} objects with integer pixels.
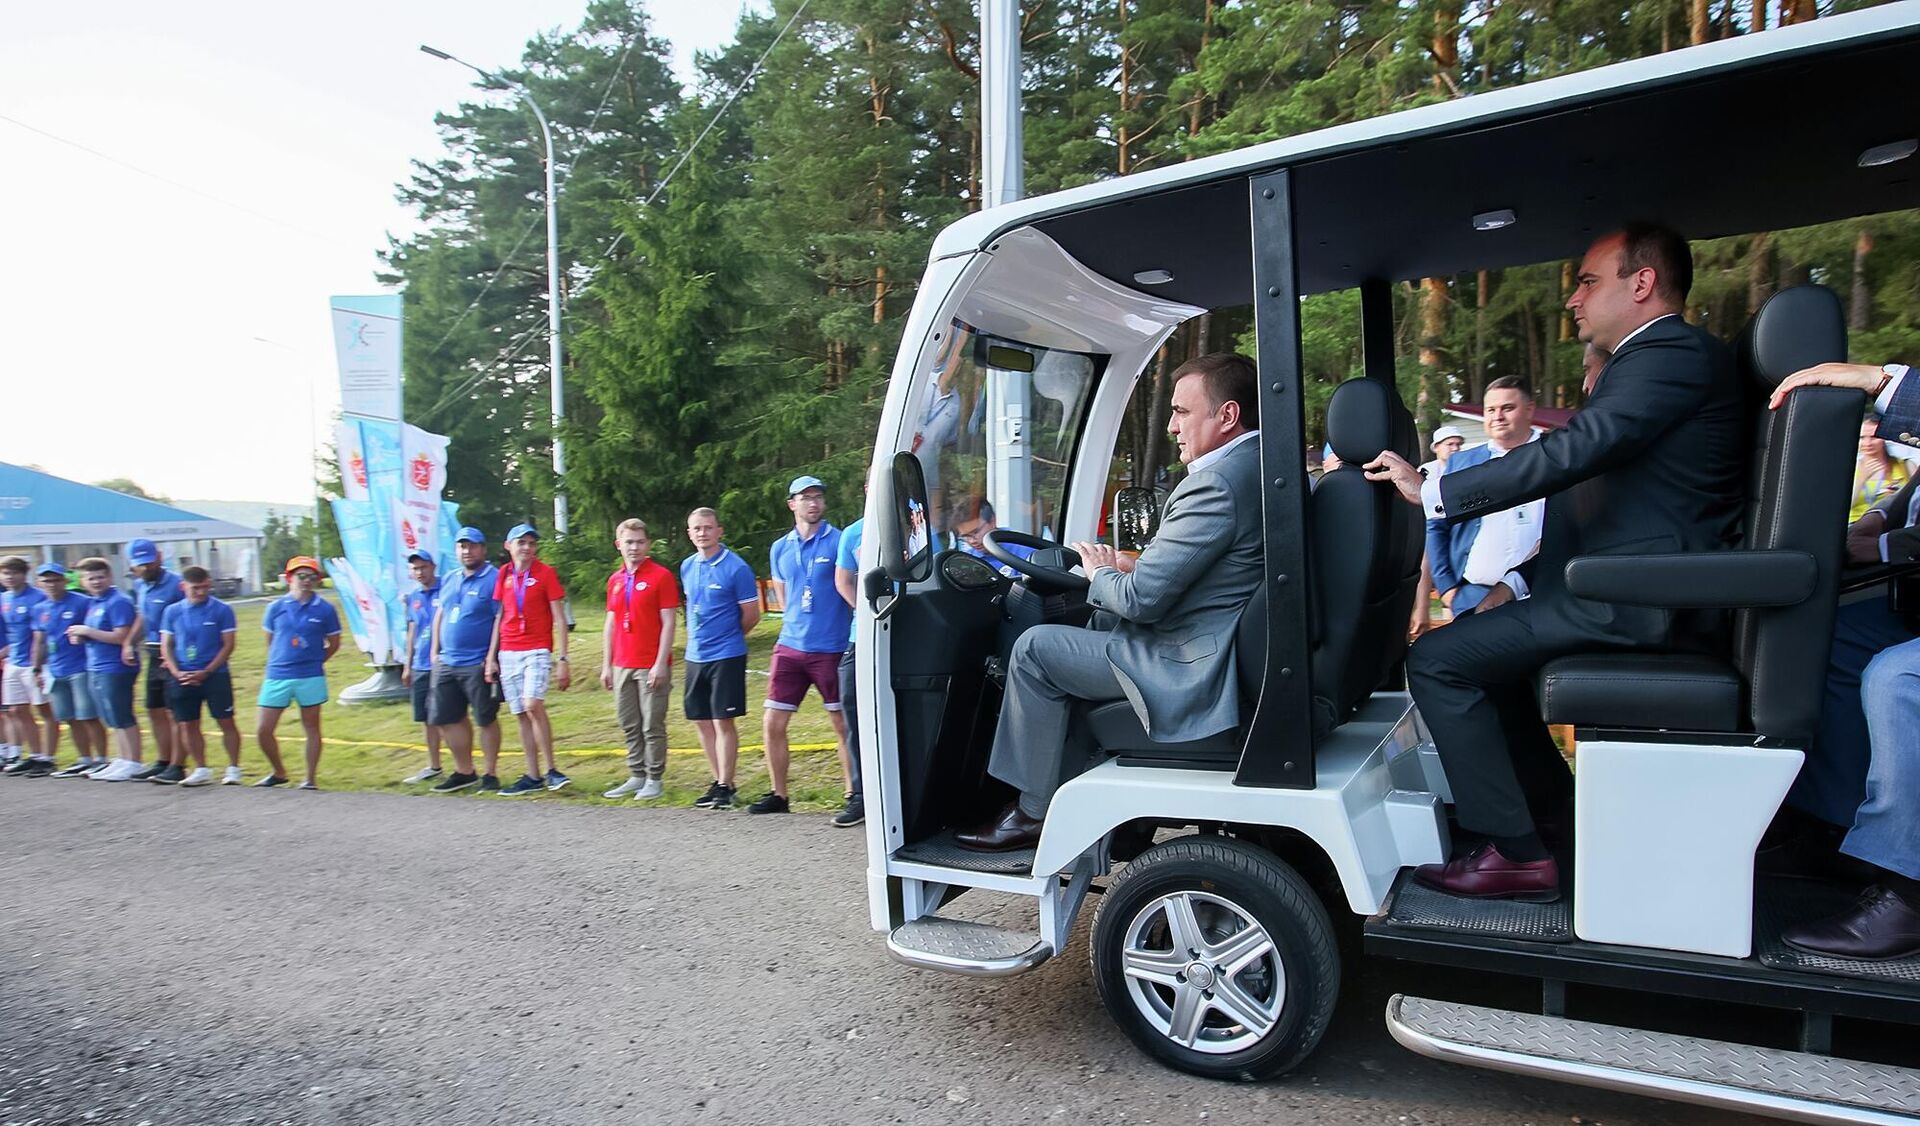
[{"x": 1468, "y": 569}]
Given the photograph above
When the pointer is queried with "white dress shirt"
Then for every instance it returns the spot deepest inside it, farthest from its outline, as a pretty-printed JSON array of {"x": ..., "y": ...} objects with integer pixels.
[{"x": 1505, "y": 540}]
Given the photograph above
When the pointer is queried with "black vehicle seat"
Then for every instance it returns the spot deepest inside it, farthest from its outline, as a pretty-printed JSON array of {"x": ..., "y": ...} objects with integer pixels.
[
  {"x": 1774, "y": 681},
  {"x": 1365, "y": 568},
  {"x": 1366, "y": 543}
]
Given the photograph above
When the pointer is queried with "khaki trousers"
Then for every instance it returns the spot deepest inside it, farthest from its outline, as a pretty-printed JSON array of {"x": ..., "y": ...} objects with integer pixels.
[{"x": 643, "y": 717}]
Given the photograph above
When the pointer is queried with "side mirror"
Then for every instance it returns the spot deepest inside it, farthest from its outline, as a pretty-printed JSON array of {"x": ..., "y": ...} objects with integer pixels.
[
  {"x": 906, "y": 540},
  {"x": 1136, "y": 517}
]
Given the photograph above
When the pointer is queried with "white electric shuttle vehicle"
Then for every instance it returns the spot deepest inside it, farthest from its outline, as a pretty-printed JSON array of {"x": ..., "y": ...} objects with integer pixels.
[{"x": 1218, "y": 865}]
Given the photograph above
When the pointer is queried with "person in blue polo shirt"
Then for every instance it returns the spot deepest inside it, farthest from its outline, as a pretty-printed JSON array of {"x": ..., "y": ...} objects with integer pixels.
[
  {"x": 723, "y": 605},
  {"x": 154, "y": 589},
  {"x": 813, "y": 630},
  {"x": 462, "y": 635},
  {"x": 846, "y": 580},
  {"x": 22, "y": 700},
  {"x": 64, "y": 663},
  {"x": 304, "y": 631},
  {"x": 112, "y": 665},
  {"x": 197, "y": 637},
  {"x": 421, "y": 602}
]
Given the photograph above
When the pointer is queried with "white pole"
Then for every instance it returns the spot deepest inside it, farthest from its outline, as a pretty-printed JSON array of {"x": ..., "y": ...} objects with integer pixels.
[
  {"x": 1001, "y": 144},
  {"x": 559, "y": 403},
  {"x": 553, "y": 325}
]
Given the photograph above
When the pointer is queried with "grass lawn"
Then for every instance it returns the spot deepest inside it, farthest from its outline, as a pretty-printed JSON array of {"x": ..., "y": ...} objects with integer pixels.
[{"x": 374, "y": 746}]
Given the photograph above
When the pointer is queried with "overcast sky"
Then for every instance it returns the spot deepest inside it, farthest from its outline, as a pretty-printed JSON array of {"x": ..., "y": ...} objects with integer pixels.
[{"x": 269, "y": 139}]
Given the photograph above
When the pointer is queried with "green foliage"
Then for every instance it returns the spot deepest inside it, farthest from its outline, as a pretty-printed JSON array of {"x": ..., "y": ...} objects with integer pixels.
[
  {"x": 130, "y": 488},
  {"x": 737, "y": 326}
]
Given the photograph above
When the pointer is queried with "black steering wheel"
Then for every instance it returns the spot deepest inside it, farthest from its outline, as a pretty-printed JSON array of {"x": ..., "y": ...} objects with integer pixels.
[{"x": 1048, "y": 579}]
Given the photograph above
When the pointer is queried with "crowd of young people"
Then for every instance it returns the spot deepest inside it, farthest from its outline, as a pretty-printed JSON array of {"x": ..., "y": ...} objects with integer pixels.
[{"x": 488, "y": 634}]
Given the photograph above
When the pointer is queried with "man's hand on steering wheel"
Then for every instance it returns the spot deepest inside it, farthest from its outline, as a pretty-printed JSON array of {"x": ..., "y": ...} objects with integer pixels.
[{"x": 1098, "y": 555}]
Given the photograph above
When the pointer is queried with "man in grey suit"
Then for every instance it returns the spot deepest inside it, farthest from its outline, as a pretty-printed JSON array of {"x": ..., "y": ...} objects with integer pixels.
[{"x": 1171, "y": 653}]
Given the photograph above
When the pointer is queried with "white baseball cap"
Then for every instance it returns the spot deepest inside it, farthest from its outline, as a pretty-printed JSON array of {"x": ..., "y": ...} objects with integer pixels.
[{"x": 1444, "y": 433}]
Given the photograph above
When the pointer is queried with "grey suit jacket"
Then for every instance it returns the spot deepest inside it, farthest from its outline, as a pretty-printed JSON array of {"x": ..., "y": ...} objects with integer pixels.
[{"x": 1173, "y": 645}]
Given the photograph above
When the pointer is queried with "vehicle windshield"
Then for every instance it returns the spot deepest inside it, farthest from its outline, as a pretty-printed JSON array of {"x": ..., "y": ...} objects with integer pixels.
[{"x": 990, "y": 433}]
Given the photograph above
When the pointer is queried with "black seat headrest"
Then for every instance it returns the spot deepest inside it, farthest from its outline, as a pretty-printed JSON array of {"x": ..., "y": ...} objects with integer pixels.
[
  {"x": 1796, "y": 328},
  {"x": 1360, "y": 420}
]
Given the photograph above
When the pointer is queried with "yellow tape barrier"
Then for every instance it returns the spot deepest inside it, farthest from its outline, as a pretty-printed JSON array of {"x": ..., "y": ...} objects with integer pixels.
[{"x": 591, "y": 752}]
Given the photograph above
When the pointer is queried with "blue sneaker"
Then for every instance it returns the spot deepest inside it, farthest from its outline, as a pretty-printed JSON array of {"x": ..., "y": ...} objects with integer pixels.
[
  {"x": 522, "y": 785},
  {"x": 557, "y": 780}
]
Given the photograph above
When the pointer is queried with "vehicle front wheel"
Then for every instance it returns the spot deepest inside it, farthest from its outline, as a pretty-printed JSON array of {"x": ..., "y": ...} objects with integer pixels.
[{"x": 1215, "y": 957}]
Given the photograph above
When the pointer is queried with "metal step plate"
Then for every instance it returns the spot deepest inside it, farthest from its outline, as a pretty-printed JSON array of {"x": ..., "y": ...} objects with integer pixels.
[
  {"x": 1785, "y": 903},
  {"x": 943, "y": 852},
  {"x": 962, "y": 946},
  {"x": 1417, "y": 907},
  {"x": 1797, "y": 1085}
]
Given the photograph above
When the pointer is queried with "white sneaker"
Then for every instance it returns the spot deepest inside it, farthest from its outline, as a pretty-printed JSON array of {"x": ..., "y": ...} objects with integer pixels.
[
  {"x": 623, "y": 789},
  {"x": 201, "y": 776},
  {"x": 116, "y": 771},
  {"x": 100, "y": 766},
  {"x": 426, "y": 775},
  {"x": 651, "y": 790},
  {"x": 232, "y": 777}
]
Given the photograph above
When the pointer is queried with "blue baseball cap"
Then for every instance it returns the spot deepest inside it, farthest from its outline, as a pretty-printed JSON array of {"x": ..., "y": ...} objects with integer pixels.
[
  {"x": 49, "y": 569},
  {"x": 470, "y": 535},
  {"x": 141, "y": 552},
  {"x": 802, "y": 484},
  {"x": 422, "y": 556},
  {"x": 523, "y": 530}
]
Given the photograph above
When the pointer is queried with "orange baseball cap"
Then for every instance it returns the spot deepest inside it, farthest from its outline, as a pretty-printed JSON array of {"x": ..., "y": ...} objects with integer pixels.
[{"x": 307, "y": 561}]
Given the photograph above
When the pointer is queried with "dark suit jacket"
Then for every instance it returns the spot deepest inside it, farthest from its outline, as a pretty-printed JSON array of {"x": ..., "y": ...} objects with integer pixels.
[
  {"x": 1901, "y": 423},
  {"x": 1655, "y": 462}
]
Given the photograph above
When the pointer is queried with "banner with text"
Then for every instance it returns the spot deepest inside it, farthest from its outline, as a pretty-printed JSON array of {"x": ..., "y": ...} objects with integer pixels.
[{"x": 366, "y": 342}]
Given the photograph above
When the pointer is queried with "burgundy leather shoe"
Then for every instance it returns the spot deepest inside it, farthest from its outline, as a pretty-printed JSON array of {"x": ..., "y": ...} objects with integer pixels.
[
  {"x": 1485, "y": 874},
  {"x": 1880, "y": 927},
  {"x": 1012, "y": 829}
]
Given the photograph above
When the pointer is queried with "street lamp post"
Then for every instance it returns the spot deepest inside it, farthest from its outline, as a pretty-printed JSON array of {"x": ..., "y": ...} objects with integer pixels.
[{"x": 559, "y": 403}]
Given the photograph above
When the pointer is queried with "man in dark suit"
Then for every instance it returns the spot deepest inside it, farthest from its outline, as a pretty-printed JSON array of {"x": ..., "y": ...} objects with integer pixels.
[
  {"x": 1655, "y": 462},
  {"x": 1466, "y": 566},
  {"x": 1170, "y": 654}
]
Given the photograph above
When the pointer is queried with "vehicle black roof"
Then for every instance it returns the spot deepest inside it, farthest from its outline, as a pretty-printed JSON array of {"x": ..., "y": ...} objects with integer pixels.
[{"x": 1760, "y": 133}]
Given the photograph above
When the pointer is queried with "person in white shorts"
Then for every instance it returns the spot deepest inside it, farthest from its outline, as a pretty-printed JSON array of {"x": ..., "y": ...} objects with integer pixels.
[
  {"x": 25, "y": 714},
  {"x": 523, "y": 656}
]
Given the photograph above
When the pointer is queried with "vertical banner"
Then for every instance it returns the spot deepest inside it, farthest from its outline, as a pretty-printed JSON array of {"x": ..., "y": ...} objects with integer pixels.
[
  {"x": 363, "y": 602},
  {"x": 418, "y": 529},
  {"x": 425, "y": 458},
  {"x": 366, "y": 342},
  {"x": 353, "y": 459}
]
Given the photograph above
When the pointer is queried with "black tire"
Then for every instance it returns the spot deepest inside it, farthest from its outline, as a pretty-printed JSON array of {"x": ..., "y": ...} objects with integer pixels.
[{"x": 1260, "y": 886}]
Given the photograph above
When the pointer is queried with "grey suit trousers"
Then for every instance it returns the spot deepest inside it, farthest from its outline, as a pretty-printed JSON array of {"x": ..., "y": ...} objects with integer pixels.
[{"x": 1052, "y": 666}]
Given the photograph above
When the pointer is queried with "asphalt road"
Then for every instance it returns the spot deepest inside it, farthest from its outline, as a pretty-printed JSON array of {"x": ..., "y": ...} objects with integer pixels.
[{"x": 233, "y": 956}]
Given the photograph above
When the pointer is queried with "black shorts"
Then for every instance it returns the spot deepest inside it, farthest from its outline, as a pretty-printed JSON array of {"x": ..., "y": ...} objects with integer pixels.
[
  {"x": 158, "y": 680},
  {"x": 716, "y": 689},
  {"x": 185, "y": 700},
  {"x": 463, "y": 689},
  {"x": 422, "y": 694}
]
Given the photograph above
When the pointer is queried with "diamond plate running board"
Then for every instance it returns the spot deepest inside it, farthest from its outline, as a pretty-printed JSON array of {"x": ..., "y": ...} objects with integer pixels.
[
  {"x": 960, "y": 946},
  {"x": 1792, "y": 1085}
]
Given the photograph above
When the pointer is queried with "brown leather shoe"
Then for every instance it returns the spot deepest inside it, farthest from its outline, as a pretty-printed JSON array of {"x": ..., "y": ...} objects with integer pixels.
[
  {"x": 1485, "y": 874},
  {"x": 1012, "y": 829},
  {"x": 1880, "y": 927}
]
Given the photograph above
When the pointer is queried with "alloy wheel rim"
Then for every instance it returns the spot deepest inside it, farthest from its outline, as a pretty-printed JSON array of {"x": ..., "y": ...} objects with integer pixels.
[{"x": 1203, "y": 972}]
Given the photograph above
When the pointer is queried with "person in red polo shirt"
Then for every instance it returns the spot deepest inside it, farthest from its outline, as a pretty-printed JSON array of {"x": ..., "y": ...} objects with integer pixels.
[
  {"x": 523, "y": 657},
  {"x": 642, "y": 597}
]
